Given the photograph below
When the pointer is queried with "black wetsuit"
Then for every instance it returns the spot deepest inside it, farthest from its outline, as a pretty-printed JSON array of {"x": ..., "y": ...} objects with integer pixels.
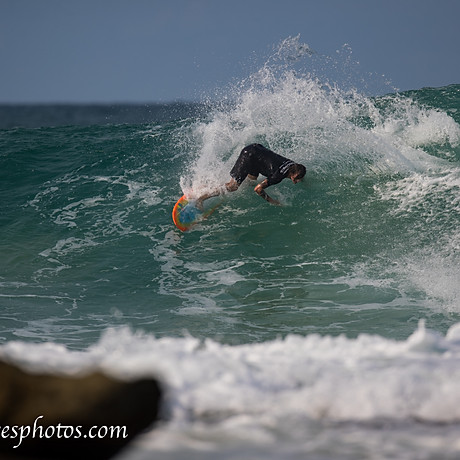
[{"x": 256, "y": 159}]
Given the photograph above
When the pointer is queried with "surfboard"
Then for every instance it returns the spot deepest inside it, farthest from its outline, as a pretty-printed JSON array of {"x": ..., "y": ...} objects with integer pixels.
[{"x": 186, "y": 215}]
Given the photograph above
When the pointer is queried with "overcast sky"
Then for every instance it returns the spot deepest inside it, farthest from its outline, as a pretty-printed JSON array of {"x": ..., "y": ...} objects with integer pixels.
[{"x": 168, "y": 50}]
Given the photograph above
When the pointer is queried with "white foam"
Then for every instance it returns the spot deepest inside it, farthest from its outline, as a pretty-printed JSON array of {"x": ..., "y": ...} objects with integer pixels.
[
  {"x": 427, "y": 192},
  {"x": 68, "y": 245},
  {"x": 316, "y": 377},
  {"x": 432, "y": 265},
  {"x": 276, "y": 392},
  {"x": 417, "y": 126},
  {"x": 314, "y": 122}
]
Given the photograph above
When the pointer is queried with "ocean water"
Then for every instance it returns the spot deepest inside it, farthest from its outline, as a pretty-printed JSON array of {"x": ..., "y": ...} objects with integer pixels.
[{"x": 327, "y": 328}]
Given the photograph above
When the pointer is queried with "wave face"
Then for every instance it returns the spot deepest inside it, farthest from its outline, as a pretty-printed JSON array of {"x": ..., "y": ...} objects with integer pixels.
[{"x": 326, "y": 327}]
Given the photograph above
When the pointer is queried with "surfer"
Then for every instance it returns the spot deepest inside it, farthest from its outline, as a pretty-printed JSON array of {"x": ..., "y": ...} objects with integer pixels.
[{"x": 256, "y": 159}]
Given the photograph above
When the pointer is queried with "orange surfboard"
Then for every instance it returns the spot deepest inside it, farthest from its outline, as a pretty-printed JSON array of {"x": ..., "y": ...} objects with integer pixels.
[{"x": 186, "y": 215}]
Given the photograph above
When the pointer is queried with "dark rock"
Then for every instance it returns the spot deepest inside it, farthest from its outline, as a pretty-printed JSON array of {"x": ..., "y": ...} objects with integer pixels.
[{"x": 62, "y": 417}]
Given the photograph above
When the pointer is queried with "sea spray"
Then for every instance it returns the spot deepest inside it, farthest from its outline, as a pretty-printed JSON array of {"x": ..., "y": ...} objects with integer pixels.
[{"x": 316, "y": 122}]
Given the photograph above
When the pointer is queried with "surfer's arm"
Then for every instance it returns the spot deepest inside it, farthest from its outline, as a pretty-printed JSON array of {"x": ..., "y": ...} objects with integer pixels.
[{"x": 259, "y": 189}]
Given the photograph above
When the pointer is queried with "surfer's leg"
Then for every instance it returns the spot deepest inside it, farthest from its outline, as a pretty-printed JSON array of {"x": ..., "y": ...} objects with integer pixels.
[
  {"x": 241, "y": 169},
  {"x": 199, "y": 201},
  {"x": 232, "y": 185}
]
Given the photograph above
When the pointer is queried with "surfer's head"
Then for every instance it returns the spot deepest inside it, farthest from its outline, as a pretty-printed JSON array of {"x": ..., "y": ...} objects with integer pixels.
[{"x": 296, "y": 172}]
